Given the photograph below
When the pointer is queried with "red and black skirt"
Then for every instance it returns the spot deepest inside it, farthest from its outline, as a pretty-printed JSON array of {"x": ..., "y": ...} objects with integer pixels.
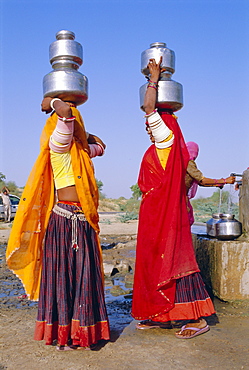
[
  {"x": 71, "y": 303},
  {"x": 192, "y": 300}
]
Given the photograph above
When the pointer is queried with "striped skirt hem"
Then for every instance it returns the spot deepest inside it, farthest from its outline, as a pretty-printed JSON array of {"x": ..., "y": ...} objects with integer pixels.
[
  {"x": 83, "y": 336},
  {"x": 191, "y": 301}
]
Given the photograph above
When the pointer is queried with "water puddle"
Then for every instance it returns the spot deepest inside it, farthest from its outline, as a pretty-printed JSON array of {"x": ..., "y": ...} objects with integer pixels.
[
  {"x": 12, "y": 293},
  {"x": 119, "y": 288}
]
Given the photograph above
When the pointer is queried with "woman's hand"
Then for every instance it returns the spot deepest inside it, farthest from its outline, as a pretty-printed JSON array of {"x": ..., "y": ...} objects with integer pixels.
[
  {"x": 61, "y": 108},
  {"x": 230, "y": 180},
  {"x": 93, "y": 139},
  {"x": 155, "y": 69},
  {"x": 151, "y": 92},
  {"x": 45, "y": 105}
]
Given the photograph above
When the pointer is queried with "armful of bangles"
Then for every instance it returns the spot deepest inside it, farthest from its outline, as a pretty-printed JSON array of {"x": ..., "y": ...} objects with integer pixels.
[{"x": 217, "y": 182}]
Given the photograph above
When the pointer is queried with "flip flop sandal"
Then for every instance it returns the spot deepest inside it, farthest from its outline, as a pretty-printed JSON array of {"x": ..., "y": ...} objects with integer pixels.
[
  {"x": 198, "y": 331},
  {"x": 64, "y": 348},
  {"x": 149, "y": 324}
]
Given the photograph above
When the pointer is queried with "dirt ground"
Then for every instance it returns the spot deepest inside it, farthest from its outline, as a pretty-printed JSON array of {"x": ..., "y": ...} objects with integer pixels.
[{"x": 225, "y": 346}]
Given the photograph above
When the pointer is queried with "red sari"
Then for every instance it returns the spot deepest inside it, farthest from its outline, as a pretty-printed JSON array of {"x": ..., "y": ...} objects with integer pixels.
[{"x": 165, "y": 250}]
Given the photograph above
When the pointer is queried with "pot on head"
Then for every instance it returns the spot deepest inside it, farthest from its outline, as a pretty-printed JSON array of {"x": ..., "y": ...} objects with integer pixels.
[
  {"x": 157, "y": 50},
  {"x": 65, "y": 81},
  {"x": 169, "y": 92}
]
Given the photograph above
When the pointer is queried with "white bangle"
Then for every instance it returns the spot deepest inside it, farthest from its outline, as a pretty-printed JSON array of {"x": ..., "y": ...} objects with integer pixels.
[
  {"x": 151, "y": 114},
  {"x": 52, "y": 102},
  {"x": 165, "y": 144}
]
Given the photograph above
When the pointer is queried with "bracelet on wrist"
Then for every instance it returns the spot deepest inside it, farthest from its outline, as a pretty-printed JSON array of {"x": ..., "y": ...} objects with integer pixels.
[
  {"x": 150, "y": 114},
  {"x": 64, "y": 119},
  {"x": 152, "y": 84},
  {"x": 153, "y": 87},
  {"x": 52, "y": 102}
]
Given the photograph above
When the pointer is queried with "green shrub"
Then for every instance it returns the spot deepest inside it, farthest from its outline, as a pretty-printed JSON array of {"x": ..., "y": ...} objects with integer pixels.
[
  {"x": 130, "y": 205},
  {"x": 128, "y": 216}
]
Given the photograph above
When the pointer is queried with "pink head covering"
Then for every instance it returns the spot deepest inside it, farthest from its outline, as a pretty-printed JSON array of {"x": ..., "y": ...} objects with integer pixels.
[{"x": 193, "y": 150}]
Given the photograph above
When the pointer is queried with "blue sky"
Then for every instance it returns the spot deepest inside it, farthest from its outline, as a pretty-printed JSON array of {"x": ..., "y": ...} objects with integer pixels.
[{"x": 210, "y": 40}]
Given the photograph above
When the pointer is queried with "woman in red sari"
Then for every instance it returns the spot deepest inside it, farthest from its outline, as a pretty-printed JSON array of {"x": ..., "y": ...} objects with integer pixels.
[{"x": 167, "y": 283}]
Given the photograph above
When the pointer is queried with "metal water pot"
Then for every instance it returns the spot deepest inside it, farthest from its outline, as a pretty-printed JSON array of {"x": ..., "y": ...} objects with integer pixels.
[
  {"x": 228, "y": 228},
  {"x": 210, "y": 224},
  {"x": 169, "y": 92},
  {"x": 65, "y": 50},
  {"x": 156, "y": 50},
  {"x": 65, "y": 81}
]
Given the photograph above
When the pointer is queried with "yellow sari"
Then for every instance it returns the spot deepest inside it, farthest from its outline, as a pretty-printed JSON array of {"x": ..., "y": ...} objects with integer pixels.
[{"x": 25, "y": 245}]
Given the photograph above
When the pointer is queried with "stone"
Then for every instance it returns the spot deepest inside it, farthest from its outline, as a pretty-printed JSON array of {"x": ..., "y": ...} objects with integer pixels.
[
  {"x": 108, "y": 268},
  {"x": 119, "y": 246},
  {"x": 224, "y": 267},
  {"x": 123, "y": 266},
  {"x": 244, "y": 203}
]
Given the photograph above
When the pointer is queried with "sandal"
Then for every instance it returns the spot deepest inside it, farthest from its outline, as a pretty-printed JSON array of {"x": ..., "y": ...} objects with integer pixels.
[
  {"x": 198, "y": 331},
  {"x": 64, "y": 348},
  {"x": 149, "y": 324}
]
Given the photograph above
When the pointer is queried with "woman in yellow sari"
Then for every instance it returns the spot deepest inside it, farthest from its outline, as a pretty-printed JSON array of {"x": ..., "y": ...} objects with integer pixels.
[{"x": 54, "y": 248}]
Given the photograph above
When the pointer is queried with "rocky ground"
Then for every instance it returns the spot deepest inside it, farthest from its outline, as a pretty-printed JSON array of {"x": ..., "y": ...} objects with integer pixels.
[{"x": 225, "y": 346}]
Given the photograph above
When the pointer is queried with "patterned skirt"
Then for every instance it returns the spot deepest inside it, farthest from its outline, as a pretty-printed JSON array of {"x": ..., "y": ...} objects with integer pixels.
[
  {"x": 71, "y": 303},
  {"x": 192, "y": 300}
]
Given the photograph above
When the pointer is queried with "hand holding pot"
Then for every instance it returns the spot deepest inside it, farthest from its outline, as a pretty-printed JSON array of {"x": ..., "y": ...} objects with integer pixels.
[
  {"x": 45, "y": 105},
  {"x": 155, "y": 69},
  {"x": 61, "y": 108}
]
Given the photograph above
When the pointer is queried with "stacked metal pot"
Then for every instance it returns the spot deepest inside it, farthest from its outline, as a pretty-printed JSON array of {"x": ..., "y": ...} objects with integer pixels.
[
  {"x": 170, "y": 92},
  {"x": 65, "y": 81}
]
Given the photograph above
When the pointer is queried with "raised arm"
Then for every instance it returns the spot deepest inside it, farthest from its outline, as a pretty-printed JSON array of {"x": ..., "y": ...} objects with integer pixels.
[
  {"x": 163, "y": 136},
  {"x": 6, "y": 189},
  {"x": 61, "y": 108},
  {"x": 151, "y": 92},
  {"x": 60, "y": 140}
]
